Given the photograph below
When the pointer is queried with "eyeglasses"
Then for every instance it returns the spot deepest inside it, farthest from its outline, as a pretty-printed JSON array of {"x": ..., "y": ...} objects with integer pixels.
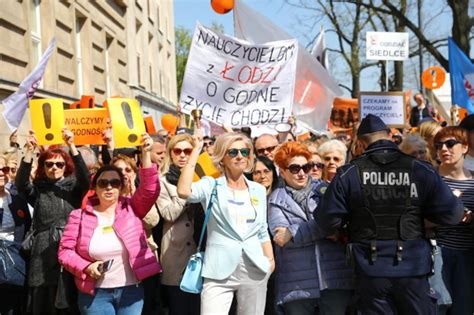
[
  {"x": 50, "y": 164},
  {"x": 104, "y": 183},
  {"x": 187, "y": 151},
  {"x": 267, "y": 149},
  {"x": 208, "y": 144},
  {"x": 245, "y": 152},
  {"x": 295, "y": 168},
  {"x": 318, "y": 165},
  {"x": 449, "y": 144},
  {"x": 334, "y": 158},
  {"x": 261, "y": 173},
  {"x": 5, "y": 169}
]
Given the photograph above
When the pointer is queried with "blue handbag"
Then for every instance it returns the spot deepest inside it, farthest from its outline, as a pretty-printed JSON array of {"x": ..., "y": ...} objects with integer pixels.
[
  {"x": 192, "y": 279},
  {"x": 12, "y": 265}
]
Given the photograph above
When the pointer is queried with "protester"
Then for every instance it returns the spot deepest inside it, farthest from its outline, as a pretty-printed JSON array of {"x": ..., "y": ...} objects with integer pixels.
[
  {"x": 158, "y": 149},
  {"x": 265, "y": 174},
  {"x": 239, "y": 256},
  {"x": 428, "y": 131},
  {"x": 15, "y": 220},
  {"x": 104, "y": 245},
  {"x": 457, "y": 242},
  {"x": 383, "y": 197},
  {"x": 414, "y": 145},
  {"x": 177, "y": 243},
  {"x": 60, "y": 182},
  {"x": 333, "y": 154},
  {"x": 129, "y": 170},
  {"x": 209, "y": 145},
  {"x": 265, "y": 145},
  {"x": 468, "y": 124},
  {"x": 420, "y": 110},
  {"x": 312, "y": 271}
]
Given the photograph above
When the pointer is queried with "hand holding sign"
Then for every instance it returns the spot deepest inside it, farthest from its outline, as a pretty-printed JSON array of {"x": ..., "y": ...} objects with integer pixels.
[
  {"x": 30, "y": 146},
  {"x": 146, "y": 143},
  {"x": 127, "y": 121}
]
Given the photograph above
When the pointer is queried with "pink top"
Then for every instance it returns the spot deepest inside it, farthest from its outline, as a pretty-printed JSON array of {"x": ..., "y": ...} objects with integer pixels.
[{"x": 106, "y": 245}]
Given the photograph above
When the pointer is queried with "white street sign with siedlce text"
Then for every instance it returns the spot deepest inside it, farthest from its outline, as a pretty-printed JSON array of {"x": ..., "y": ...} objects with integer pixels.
[{"x": 387, "y": 46}]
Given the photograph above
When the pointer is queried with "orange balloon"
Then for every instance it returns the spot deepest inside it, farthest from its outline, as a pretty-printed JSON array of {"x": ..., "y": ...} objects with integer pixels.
[
  {"x": 433, "y": 77},
  {"x": 169, "y": 122},
  {"x": 222, "y": 6}
]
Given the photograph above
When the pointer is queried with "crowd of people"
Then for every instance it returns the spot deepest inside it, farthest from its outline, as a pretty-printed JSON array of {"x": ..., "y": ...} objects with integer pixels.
[{"x": 378, "y": 221}]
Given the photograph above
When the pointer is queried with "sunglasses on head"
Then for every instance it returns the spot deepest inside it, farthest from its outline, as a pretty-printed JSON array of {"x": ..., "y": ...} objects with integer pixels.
[
  {"x": 187, "y": 151},
  {"x": 267, "y": 149},
  {"x": 245, "y": 152},
  {"x": 104, "y": 183},
  {"x": 50, "y": 164},
  {"x": 5, "y": 169},
  {"x": 295, "y": 168},
  {"x": 449, "y": 144}
]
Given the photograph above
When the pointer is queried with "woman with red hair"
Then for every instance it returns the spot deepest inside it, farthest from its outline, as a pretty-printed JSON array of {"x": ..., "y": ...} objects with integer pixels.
[
  {"x": 312, "y": 270},
  {"x": 60, "y": 182}
]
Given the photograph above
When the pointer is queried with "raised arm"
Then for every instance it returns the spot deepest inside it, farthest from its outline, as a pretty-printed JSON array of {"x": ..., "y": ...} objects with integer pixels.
[
  {"x": 149, "y": 188},
  {"x": 187, "y": 172}
]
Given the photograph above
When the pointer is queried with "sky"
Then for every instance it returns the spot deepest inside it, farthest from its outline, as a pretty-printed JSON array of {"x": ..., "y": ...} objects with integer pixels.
[{"x": 187, "y": 12}]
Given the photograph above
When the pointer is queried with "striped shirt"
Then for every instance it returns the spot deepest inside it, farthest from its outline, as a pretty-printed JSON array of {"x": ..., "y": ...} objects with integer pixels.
[{"x": 459, "y": 236}]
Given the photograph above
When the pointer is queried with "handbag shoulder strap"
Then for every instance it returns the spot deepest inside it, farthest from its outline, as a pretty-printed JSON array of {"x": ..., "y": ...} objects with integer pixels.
[{"x": 208, "y": 212}]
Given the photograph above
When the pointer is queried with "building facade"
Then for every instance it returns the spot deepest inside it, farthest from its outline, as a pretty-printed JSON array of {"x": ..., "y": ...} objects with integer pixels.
[{"x": 104, "y": 48}]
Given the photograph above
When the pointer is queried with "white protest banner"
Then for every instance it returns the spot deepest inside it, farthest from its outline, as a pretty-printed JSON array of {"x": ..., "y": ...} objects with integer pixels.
[
  {"x": 237, "y": 83},
  {"x": 387, "y": 46},
  {"x": 389, "y": 106}
]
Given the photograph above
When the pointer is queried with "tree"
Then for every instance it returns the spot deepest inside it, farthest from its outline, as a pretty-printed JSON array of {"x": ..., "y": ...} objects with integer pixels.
[{"x": 183, "y": 40}]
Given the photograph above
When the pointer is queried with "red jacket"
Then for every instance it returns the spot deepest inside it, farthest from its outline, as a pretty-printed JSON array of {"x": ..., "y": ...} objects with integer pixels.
[{"x": 73, "y": 251}]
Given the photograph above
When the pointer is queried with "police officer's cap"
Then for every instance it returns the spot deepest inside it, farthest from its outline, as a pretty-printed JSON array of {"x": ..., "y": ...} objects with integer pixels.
[
  {"x": 370, "y": 124},
  {"x": 468, "y": 123}
]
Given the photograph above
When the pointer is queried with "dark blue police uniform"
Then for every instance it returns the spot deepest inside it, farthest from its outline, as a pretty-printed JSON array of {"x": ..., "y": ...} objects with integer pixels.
[{"x": 383, "y": 197}]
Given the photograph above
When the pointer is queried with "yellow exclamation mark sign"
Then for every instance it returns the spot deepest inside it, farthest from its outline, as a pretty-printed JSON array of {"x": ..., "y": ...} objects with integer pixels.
[
  {"x": 47, "y": 120},
  {"x": 127, "y": 111}
]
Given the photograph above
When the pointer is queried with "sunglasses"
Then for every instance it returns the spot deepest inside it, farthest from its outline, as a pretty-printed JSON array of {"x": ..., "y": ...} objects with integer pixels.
[
  {"x": 295, "y": 168},
  {"x": 318, "y": 165},
  {"x": 449, "y": 144},
  {"x": 104, "y": 183},
  {"x": 245, "y": 152},
  {"x": 187, "y": 151},
  {"x": 5, "y": 169},
  {"x": 267, "y": 149},
  {"x": 208, "y": 143},
  {"x": 50, "y": 164}
]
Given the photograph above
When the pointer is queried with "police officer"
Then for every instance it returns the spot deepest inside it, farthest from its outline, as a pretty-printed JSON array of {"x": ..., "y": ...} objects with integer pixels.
[{"x": 383, "y": 197}]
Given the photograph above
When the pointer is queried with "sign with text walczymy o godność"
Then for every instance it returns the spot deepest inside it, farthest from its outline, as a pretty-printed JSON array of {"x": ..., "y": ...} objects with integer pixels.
[
  {"x": 387, "y": 46},
  {"x": 389, "y": 106},
  {"x": 237, "y": 83}
]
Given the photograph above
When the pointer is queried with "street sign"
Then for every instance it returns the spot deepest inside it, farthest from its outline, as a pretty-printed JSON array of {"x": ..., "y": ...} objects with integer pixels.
[{"x": 387, "y": 46}]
